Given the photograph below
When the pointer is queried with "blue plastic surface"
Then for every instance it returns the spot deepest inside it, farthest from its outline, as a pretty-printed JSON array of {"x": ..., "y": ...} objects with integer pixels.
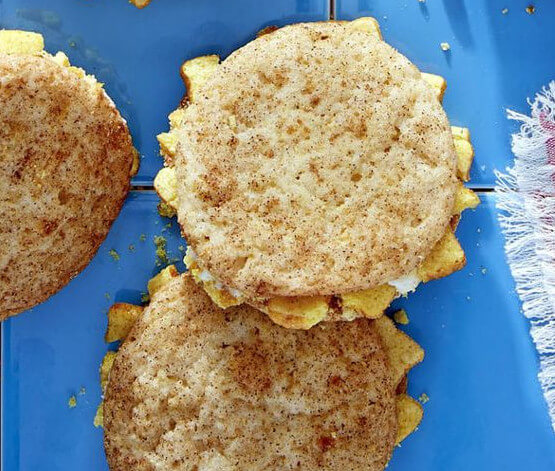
[
  {"x": 485, "y": 411},
  {"x": 137, "y": 53},
  {"x": 495, "y": 62}
]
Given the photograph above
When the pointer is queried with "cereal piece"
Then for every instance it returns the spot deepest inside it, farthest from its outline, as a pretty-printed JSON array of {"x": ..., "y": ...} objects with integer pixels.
[
  {"x": 402, "y": 352},
  {"x": 401, "y": 317},
  {"x": 465, "y": 155},
  {"x": 409, "y": 415},
  {"x": 20, "y": 42},
  {"x": 105, "y": 368},
  {"x": 99, "y": 416},
  {"x": 465, "y": 198},
  {"x": 298, "y": 312},
  {"x": 367, "y": 24},
  {"x": 445, "y": 258},
  {"x": 161, "y": 279},
  {"x": 460, "y": 133},
  {"x": 121, "y": 317},
  {"x": 165, "y": 184},
  {"x": 437, "y": 82},
  {"x": 369, "y": 303},
  {"x": 196, "y": 72}
]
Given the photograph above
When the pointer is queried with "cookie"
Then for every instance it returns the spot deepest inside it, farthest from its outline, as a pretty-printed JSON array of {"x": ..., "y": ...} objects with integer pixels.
[
  {"x": 67, "y": 159},
  {"x": 197, "y": 387}
]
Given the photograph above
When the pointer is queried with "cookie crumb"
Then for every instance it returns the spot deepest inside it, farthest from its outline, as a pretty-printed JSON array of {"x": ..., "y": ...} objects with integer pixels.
[
  {"x": 142, "y": 237},
  {"x": 72, "y": 402},
  {"x": 165, "y": 210},
  {"x": 445, "y": 46},
  {"x": 530, "y": 9},
  {"x": 423, "y": 398},
  {"x": 505, "y": 11},
  {"x": 114, "y": 254},
  {"x": 161, "y": 253}
]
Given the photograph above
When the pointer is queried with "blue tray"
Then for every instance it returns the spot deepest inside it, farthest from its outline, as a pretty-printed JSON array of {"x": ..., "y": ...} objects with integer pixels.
[{"x": 485, "y": 412}]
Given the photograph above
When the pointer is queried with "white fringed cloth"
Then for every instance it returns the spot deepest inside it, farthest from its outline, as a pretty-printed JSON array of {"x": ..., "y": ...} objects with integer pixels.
[{"x": 526, "y": 200}]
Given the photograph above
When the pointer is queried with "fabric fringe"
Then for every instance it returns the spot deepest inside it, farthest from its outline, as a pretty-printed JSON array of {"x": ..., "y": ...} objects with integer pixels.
[{"x": 526, "y": 200}]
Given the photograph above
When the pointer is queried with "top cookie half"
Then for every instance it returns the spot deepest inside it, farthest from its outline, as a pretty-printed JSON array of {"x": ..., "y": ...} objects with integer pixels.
[{"x": 315, "y": 160}]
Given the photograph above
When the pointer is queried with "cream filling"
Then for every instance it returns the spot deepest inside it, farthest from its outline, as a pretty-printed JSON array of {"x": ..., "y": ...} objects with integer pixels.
[{"x": 406, "y": 283}]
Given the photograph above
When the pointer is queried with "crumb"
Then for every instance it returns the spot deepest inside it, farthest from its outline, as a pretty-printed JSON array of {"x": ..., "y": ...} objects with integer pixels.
[
  {"x": 401, "y": 317},
  {"x": 82, "y": 391},
  {"x": 165, "y": 210},
  {"x": 114, "y": 254},
  {"x": 145, "y": 298},
  {"x": 505, "y": 11},
  {"x": 142, "y": 237},
  {"x": 530, "y": 9},
  {"x": 423, "y": 398},
  {"x": 484, "y": 271},
  {"x": 72, "y": 402},
  {"x": 131, "y": 248},
  {"x": 72, "y": 44},
  {"x": 161, "y": 253},
  {"x": 421, "y": 1},
  {"x": 445, "y": 46},
  {"x": 107, "y": 295}
]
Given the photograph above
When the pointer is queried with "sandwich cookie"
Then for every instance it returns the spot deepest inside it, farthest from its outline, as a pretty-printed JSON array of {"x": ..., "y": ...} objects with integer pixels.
[{"x": 315, "y": 174}]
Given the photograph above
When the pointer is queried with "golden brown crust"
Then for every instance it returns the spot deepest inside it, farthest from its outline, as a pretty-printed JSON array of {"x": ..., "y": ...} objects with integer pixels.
[
  {"x": 315, "y": 161},
  {"x": 66, "y": 161},
  {"x": 196, "y": 387}
]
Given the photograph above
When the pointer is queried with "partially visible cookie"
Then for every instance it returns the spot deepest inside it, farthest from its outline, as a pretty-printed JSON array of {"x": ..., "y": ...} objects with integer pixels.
[
  {"x": 67, "y": 159},
  {"x": 196, "y": 387}
]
